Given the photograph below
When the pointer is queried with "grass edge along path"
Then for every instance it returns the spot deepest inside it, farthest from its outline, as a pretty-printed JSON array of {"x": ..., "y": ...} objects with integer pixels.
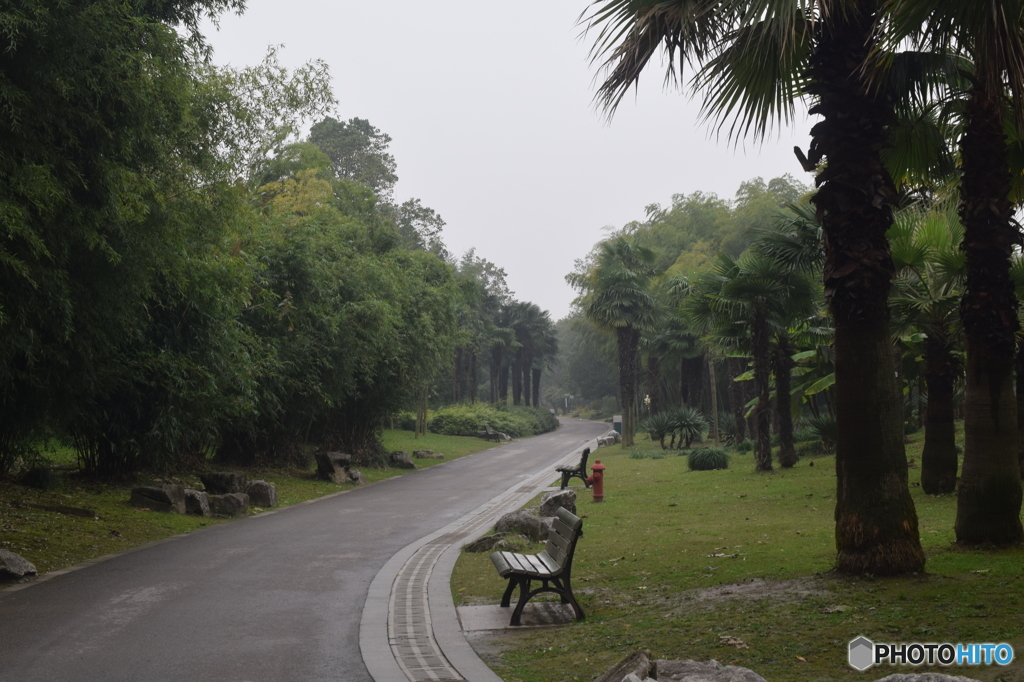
[
  {"x": 57, "y": 542},
  {"x": 736, "y": 566}
]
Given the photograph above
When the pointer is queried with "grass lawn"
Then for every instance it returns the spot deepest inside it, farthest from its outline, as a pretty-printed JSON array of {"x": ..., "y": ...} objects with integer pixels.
[
  {"x": 53, "y": 541},
  {"x": 736, "y": 566}
]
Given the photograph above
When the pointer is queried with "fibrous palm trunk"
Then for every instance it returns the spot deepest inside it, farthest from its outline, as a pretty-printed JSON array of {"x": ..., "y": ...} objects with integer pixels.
[
  {"x": 536, "y": 386},
  {"x": 761, "y": 347},
  {"x": 628, "y": 339},
  {"x": 938, "y": 459},
  {"x": 989, "y": 496},
  {"x": 654, "y": 383},
  {"x": 1020, "y": 405},
  {"x": 736, "y": 401},
  {"x": 783, "y": 367},
  {"x": 876, "y": 523}
]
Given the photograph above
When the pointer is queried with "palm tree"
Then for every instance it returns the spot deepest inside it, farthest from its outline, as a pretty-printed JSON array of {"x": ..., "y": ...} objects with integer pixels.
[
  {"x": 614, "y": 296},
  {"x": 757, "y": 57},
  {"x": 929, "y": 280},
  {"x": 991, "y": 33}
]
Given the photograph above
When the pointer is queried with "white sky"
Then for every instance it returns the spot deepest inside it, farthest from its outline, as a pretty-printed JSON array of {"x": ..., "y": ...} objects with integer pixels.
[{"x": 489, "y": 106}]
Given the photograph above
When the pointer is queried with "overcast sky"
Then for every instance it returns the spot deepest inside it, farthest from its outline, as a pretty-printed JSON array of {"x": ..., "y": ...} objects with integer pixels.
[{"x": 489, "y": 106}]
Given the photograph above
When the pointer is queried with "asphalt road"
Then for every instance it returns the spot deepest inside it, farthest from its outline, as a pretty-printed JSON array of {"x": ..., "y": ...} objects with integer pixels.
[{"x": 271, "y": 598}]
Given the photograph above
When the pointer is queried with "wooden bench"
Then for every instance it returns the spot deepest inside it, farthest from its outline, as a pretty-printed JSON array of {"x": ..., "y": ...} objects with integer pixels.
[
  {"x": 490, "y": 433},
  {"x": 579, "y": 471},
  {"x": 552, "y": 567}
]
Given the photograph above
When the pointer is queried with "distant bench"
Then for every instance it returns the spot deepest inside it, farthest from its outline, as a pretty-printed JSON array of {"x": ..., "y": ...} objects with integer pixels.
[
  {"x": 579, "y": 471},
  {"x": 553, "y": 566},
  {"x": 488, "y": 434}
]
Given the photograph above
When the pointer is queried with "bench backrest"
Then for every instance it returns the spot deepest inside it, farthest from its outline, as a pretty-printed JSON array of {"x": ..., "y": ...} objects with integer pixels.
[
  {"x": 583, "y": 460},
  {"x": 565, "y": 530}
]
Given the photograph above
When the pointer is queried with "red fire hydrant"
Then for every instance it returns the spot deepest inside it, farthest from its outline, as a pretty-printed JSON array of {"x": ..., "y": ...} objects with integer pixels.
[{"x": 596, "y": 479}]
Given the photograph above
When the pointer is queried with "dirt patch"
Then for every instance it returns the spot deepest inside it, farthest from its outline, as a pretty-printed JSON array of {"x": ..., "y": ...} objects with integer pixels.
[{"x": 758, "y": 588}]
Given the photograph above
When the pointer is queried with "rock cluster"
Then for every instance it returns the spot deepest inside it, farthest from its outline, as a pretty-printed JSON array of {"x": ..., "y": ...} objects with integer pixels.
[
  {"x": 14, "y": 567},
  {"x": 427, "y": 454},
  {"x": 610, "y": 438},
  {"x": 166, "y": 497},
  {"x": 522, "y": 522},
  {"x": 227, "y": 494},
  {"x": 336, "y": 467}
]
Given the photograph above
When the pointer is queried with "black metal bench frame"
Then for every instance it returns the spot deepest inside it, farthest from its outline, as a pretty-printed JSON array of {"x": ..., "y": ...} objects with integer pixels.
[
  {"x": 491, "y": 433},
  {"x": 552, "y": 567},
  {"x": 579, "y": 471}
]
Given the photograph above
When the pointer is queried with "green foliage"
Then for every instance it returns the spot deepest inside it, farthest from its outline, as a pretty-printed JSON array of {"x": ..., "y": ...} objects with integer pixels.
[
  {"x": 688, "y": 424},
  {"x": 707, "y": 459},
  {"x": 745, "y": 446},
  {"x": 467, "y": 420},
  {"x": 824, "y": 428}
]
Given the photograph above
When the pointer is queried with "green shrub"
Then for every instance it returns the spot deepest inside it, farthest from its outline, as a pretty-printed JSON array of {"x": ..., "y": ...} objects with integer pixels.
[
  {"x": 405, "y": 421},
  {"x": 42, "y": 477},
  {"x": 516, "y": 422},
  {"x": 745, "y": 446},
  {"x": 707, "y": 459},
  {"x": 824, "y": 428},
  {"x": 688, "y": 425},
  {"x": 813, "y": 447}
]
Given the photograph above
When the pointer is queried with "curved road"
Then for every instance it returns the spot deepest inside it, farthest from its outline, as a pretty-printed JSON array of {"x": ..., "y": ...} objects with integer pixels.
[{"x": 276, "y": 597}]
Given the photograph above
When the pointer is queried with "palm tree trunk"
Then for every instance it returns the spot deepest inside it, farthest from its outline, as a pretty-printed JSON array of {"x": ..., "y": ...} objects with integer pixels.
[
  {"x": 939, "y": 459},
  {"x": 763, "y": 411},
  {"x": 517, "y": 379},
  {"x": 654, "y": 383},
  {"x": 536, "y": 386},
  {"x": 736, "y": 367},
  {"x": 989, "y": 498},
  {"x": 1020, "y": 404},
  {"x": 627, "y": 339},
  {"x": 472, "y": 377},
  {"x": 876, "y": 523},
  {"x": 783, "y": 367}
]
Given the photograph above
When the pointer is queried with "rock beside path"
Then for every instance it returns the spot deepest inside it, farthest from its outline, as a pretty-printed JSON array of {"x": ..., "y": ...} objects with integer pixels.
[
  {"x": 704, "y": 671},
  {"x": 400, "y": 460},
  {"x": 522, "y": 522},
  {"x": 197, "y": 502},
  {"x": 14, "y": 567},
  {"x": 223, "y": 482},
  {"x": 560, "y": 499},
  {"x": 229, "y": 505},
  {"x": 167, "y": 497},
  {"x": 261, "y": 494},
  {"x": 485, "y": 544},
  {"x": 925, "y": 677},
  {"x": 333, "y": 466},
  {"x": 427, "y": 454},
  {"x": 637, "y": 665}
]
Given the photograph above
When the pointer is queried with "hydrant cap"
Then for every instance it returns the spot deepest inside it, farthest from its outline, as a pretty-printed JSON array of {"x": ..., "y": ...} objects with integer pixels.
[{"x": 597, "y": 466}]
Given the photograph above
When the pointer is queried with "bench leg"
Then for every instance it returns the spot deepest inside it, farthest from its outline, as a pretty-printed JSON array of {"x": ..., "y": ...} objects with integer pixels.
[
  {"x": 524, "y": 596},
  {"x": 507, "y": 597}
]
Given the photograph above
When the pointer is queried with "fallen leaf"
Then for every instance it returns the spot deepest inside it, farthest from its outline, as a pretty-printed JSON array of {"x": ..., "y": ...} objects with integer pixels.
[{"x": 801, "y": 658}]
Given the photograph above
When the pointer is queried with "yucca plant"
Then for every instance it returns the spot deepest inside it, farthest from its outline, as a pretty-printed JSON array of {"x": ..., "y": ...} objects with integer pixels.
[
  {"x": 824, "y": 427},
  {"x": 707, "y": 459},
  {"x": 659, "y": 426},
  {"x": 688, "y": 425}
]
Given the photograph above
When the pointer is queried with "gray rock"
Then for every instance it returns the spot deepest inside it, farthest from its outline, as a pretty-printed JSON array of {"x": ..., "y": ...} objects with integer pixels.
[
  {"x": 197, "y": 502},
  {"x": 552, "y": 502},
  {"x": 926, "y": 677},
  {"x": 14, "y": 567},
  {"x": 166, "y": 497},
  {"x": 633, "y": 678},
  {"x": 223, "y": 482},
  {"x": 333, "y": 466},
  {"x": 504, "y": 436},
  {"x": 261, "y": 494},
  {"x": 637, "y": 663},
  {"x": 400, "y": 460},
  {"x": 356, "y": 476},
  {"x": 427, "y": 454},
  {"x": 523, "y": 522},
  {"x": 704, "y": 671},
  {"x": 229, "y": 505},
  {"x": 484, "y": 544}
]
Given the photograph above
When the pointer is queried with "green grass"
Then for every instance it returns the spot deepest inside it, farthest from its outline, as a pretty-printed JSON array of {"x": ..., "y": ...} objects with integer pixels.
[
  {"x": 651, "y": 568},
  {"x": 53, "y": 541}
]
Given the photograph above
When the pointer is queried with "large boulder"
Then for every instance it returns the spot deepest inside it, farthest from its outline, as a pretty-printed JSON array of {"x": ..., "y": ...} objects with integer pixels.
[
  {"x": 704, "y": 671},
  {"x": 637, "y": 663},
  {"x": 400, "y": 460},
  {"x": 197, "y": 502},
  {"x": 229, "y": 505},
  {"x": 167, "y": 497},
  {"x": 522, "y": 522},
  {"x": 223, "y": 482},
  {"x": 356, "y": 476},
  {"x": 559, "y": 499},
  {"x": 14, "y": 567},
  {"x": 261, "y": 494},
  {"x": 333, "y": 466},
  {"x": 484, "y": 544}
]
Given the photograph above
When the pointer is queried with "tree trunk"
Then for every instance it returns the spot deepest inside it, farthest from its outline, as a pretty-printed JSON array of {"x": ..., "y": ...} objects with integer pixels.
[
  {"x": 517, "y": 379},
  {"x": 762, "y": 412},
  {"x": 536, "y": 386},
  {"x": 472, "y": 377},
  {"x": 736, "y": 367},
  {"x": 714, "y": 401},
  {"x": 1020, "y": 405},
  {"x": 876, "y": 523},
  {"x": 628, "y": 340},
  {"x": 654, "y": 383},
  {"x": 989, "y": 498},
  {"x": 691, "y": 381},
  {"x": 503, "y": 374},
  {"x": 783, "y": 367},
  {"x": 457, "y": 376},
  {"x": 939, "y": 459}
]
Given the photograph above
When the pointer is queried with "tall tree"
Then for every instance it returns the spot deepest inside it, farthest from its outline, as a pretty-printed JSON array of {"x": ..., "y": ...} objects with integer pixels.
[
  {"x": 759, "y": 57},
  {"x": 359, "y": 152},
  {"x": 614, "y": 296}
]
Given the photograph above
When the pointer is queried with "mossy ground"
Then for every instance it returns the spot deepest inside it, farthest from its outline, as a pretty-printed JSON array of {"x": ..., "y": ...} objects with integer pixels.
[
  {"x": 53, "y": 541},
  {"x": 736, "y": 566}
]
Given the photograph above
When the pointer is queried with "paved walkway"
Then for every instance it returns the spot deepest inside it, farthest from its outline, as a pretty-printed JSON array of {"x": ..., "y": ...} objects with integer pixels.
[{"x": 302, "y": 594}]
